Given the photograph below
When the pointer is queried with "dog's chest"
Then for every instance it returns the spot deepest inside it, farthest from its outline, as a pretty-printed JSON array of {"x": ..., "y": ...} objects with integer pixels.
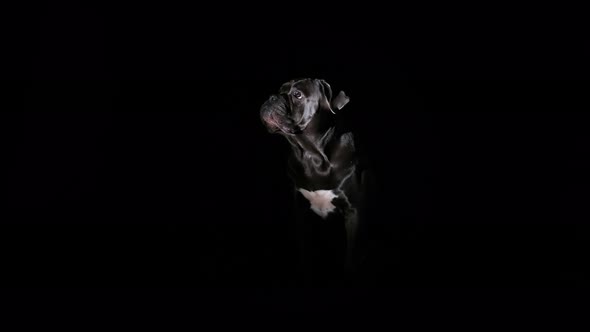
[{"x": 321, "y": 201}]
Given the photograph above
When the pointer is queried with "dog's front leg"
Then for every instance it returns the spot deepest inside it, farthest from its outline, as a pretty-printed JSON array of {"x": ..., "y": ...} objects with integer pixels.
[
  {"x": 303, "y": 238},
  {"x": 351, "y": 224}
]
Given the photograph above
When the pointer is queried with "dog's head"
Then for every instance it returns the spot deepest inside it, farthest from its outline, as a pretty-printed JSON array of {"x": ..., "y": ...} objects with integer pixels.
[{"x": 298, "y": 101}]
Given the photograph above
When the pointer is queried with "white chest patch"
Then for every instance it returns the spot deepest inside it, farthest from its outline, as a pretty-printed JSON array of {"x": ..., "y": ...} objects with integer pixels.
[{"x": 320, "y": 200}]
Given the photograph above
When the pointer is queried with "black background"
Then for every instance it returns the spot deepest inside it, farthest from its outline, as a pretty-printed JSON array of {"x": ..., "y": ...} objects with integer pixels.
[{"x": 137, "y": 159}]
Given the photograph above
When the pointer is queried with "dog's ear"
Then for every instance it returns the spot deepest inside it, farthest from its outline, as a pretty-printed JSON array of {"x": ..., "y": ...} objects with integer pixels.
[
  {"x": 332, "y": 104},
  {"x": 286, "y": 87},
  {"x": 326, "y": 95},
  {"x": 340, "y": 100}
]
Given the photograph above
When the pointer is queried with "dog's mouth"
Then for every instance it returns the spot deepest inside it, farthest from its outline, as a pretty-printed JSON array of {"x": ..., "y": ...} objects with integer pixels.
[{"x": 277, "y": 124}]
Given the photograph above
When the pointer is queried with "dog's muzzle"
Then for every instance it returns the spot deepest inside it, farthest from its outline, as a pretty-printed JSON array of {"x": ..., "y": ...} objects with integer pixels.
[{"x": 274, "y": 114}]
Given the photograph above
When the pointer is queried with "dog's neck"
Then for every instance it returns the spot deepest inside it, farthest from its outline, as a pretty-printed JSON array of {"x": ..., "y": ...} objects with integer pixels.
[
  {"x": 321, "y": 128},
  {"x": 309, "y": 146}
]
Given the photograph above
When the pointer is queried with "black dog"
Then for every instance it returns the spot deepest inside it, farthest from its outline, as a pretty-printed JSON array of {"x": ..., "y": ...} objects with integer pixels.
[{"x": 330, "y": 178}]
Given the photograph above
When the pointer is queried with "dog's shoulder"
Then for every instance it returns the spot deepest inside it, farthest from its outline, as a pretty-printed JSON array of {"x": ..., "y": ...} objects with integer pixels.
[{"x": 347, "y": 139}]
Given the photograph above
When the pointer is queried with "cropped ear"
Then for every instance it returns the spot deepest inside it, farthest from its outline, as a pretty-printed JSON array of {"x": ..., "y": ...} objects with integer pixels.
[
  {"x": 332, "y": 104},
  {"x": 340, "y": 101}
]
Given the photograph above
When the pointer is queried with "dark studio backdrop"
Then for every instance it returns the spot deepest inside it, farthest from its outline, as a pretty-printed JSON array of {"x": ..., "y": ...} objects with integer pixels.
[{"x": 137, "y": 157}]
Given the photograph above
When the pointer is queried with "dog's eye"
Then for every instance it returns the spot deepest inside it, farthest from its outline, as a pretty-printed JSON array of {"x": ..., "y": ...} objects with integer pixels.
[{"x": 297, "y": 94}]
